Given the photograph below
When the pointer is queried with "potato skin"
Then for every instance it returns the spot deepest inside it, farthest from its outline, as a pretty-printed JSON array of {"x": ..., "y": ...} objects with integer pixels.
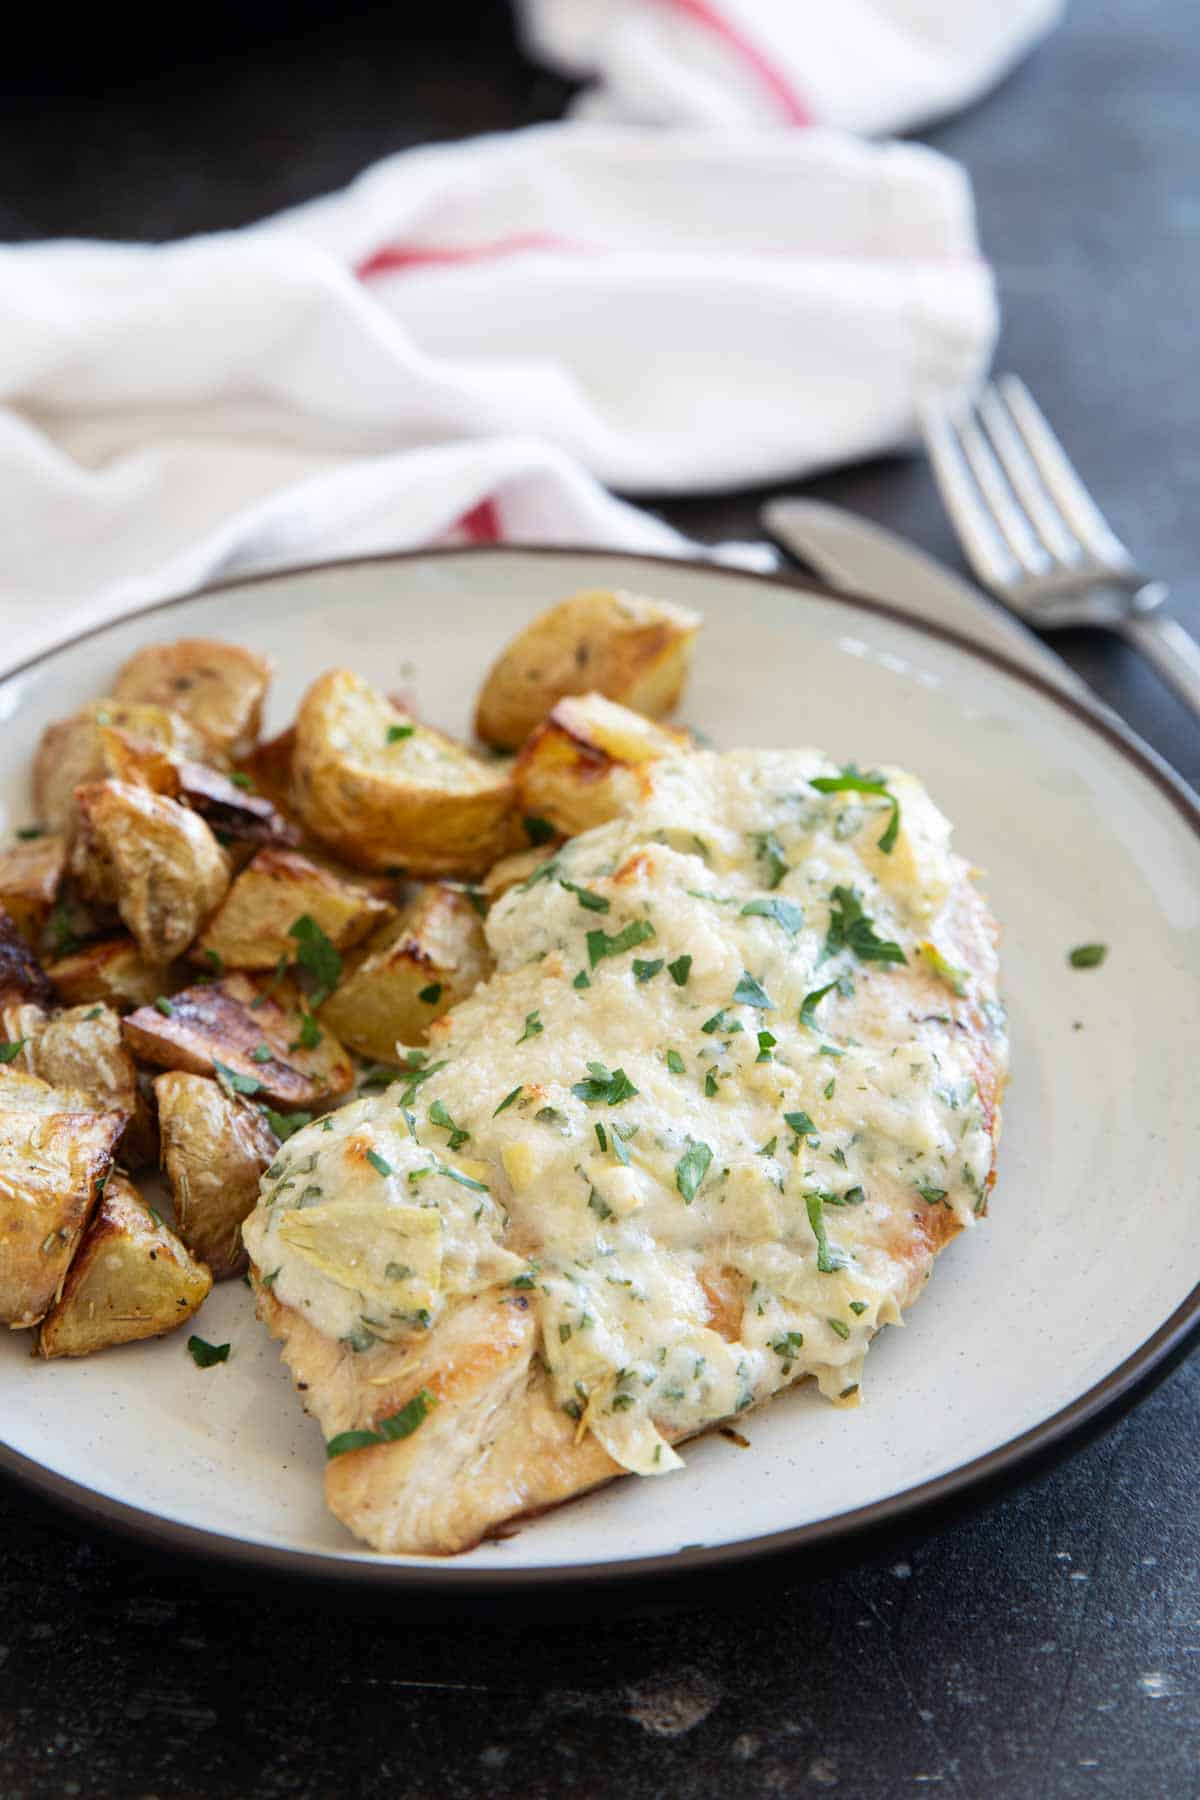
[
  {"x": 82, "y": 1049},
  {"x": 631, "y": 649},
  {"x": 436, "y": 948},
  {"x": 72, "y": 754},
  {"x": 30, "y": 873},
  {"x": 218, "y": 687},
  {"x": 219, "y": 1022},
  {"x": 111, "y": 972},
  {"x": 250, "y": 928},
  {"x": 54, "y": 1151},
  {"x": 214, "y": 1150},
  {"x": 165, "y": 868},
  {"x": 22, "y": 977},
  {"x": 419, "y": 802},
  {"x": 131, "y": 1279},
  {"x": 582, "y": 765}
]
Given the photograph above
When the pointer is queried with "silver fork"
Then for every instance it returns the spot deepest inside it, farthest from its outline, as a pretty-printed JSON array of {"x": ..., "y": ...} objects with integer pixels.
[{"x": 1036, "y": 538}]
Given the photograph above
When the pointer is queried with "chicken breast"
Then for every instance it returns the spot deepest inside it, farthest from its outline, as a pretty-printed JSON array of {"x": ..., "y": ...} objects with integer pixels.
[{"x": 733, "y": 1085}]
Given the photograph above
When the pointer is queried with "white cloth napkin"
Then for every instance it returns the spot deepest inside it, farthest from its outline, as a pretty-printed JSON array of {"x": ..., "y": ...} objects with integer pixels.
[
  {"x": 472, "y": 340},
  {"x": 867, "y": 65}
]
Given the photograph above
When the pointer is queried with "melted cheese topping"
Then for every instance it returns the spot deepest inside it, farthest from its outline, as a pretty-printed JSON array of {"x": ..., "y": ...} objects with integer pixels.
[{"x": 703, "y": 1111}]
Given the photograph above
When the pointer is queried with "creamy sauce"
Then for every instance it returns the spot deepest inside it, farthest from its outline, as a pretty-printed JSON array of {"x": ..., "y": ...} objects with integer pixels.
[{"x": 708, "y": 1187}]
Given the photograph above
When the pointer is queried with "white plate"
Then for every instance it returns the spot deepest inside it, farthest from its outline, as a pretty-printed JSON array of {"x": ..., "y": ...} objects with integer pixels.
[{"x": 1080, "y": 1284}]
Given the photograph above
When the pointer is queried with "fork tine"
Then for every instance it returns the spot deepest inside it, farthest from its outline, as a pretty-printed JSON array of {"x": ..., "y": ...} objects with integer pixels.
[
  {"x": 1005, "y": 508},
  {"x": 1057, "y": 472},
  {"x": 1023, "y": 478},
  {"x": 985, "y": 548}
]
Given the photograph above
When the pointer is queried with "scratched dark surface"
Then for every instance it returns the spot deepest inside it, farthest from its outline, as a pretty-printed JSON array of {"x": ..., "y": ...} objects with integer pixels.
[{"x": 1050, "y": 1646}]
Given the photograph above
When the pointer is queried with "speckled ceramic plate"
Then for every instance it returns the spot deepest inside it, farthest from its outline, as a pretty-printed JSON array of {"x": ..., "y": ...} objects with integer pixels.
[{"x": 1079, "y": 1288}]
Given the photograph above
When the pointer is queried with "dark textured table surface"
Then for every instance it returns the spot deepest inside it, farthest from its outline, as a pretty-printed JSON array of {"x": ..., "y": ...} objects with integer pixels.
[{"x": 1049, "y": 1646}]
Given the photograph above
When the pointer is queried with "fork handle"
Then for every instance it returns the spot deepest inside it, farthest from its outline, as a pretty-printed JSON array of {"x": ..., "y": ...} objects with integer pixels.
[{"x": 1172, "y": 650}]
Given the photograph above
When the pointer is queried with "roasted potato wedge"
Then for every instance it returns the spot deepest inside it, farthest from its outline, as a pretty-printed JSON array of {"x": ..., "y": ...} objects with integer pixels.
[
  {"x": 581, "y": 766},
  {"x": 384, "y": 792},
  {"x": 82, "y": 1049},
  {"x": 21, "y": 974},
  {"x": 269, "y": 768},
  {"x": 30, "y": 873},
  {"x": 215, "y": 1147},
  {"x": 55, "y": 1149},
  {"x": 131, "y": 1278},
  {"x": 409, "y": 974},
  {"x": 71, "y": 753},
  {"x": 111, "y": 972},
  {"x": 229, "y": 805},
  {"x": 225, "y": 1022},
  {"x": 166, "y": 868},
  {"x": 217, "y": 687},
  {"x": 250, "y": 928},
  {"x": 628, "y": 648}
]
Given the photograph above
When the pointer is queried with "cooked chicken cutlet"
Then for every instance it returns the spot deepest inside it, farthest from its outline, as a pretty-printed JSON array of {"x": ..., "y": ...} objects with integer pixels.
[{"x": 733, "y": 1085}]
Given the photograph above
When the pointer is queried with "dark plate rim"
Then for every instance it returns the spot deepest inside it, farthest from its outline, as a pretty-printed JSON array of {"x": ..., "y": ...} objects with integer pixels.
[{"x": 997, "y": 1469}]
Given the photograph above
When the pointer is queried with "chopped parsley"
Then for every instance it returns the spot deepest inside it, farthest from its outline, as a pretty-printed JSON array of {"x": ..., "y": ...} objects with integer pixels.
[
  {"x": 679, "y": 970},
  {"x": 587, "y": 898},
  {"x": 396, "y": 734},
  {"x": 800, "y": 1123},
  {"x": 309, "y": 1035},
  {"x": 604, "y": 1087},
  {"x": 600, "y": 944},
  {"x": 771, "y": 859},
  {"x": 213, "y": 959},
  {"x": 691, "y": 1169},
  {"x": 828, "y": 1260},
  {"x": 533, "y": 1026},
  {"x": 241, "y": 780},
  {"x": 163, "y": 1005},
  {"x": 232, "y": 1082},
  {"x": 317, "y": 955},
  {"x": 380, "y": 1164},
  {"x": 785, "y": 913},
  {"x": 582, "y": 980},
  {"x": 539, "y": 831},
  {"x": 646, "y": 971},
  {"x": 720, "y": 1022},
  {"x": 599, "y": 1205},
  {"x": 543, "y": 872},
  {"x": 839, "y": 1326},
  {"x": 933, "y": 1196},
  {"x": 710, "y": 1083},
  {"x": 260, "y": 1054},
  {"x": 508, "y": 1100},
  {"x": 749, "y": 992},
  {"x": 810, "y": 1003},
  {"x": 93, "y": 1014},
  {"x": 285, "y": 1124},
  {"x": 766, "y": 1044},
  {"x": 787, "y": 1345},
  {"x": 441, "y": 1118},
  {"x": 858, "y": 1307},
  {"x": 26, "y": 832},
  {"x": 398, "y": 1425},
  {"x": 10, "y": 1051},
  {"x": 205, "y": 1355},
  {"x": 415, "y": 1079},
  {"x": 65, "y": 940},
  {"x": 1087, "y": 956},
  {"x": 431, "y": 994},
  {"x": 850, "y": 929},
  {"x": 674, "y": 1062},
  {"x": 851, "y": 781}
]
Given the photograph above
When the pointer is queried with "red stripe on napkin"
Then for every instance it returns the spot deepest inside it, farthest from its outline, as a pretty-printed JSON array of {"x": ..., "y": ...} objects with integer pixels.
[
  {"x": 700, "y": 12},
  {"x": 397, "y": 259},
  {"x": 482, "y": 524}
]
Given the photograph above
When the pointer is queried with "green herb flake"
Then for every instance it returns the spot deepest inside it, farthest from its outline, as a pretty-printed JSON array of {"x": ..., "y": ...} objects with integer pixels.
[
  {"x": 94, "y": 1013},
  {"x": 590, "y": 901},
  {"x": 533, "y": 1026},
  {"x": 679, "y": 970},
  {"x": 205, "y": 1355},
  {"x": 599, "y": 1205},
  {"x": 232, "y": 1082},
  {"x": 260, "y": 1054},
  {"x": 604, "y": 1087},
  {"x": 539, "y": 831},
  {"x": 691, "y": 1169},
  {"x": 851, "y": 781},
  {"x": 773, "y": 863},
  {"x": 213, "y": 959},
  {"x": 785, "y": 913},
  {"x": 317, "y": 955},
  {"x": 858, "y": 1308},
  {"x": 787, "y": 1345},
  {"x": 675, "y": 1062},
  {"x": 431, "y": 994},
  {"x": 398, "y": 1425},
  {"x": 508, "y": 1100},
  {"x": 309, "y": 1035},
  {"x": 65, "y": 941},
  {"x": 27, "y": 832},
  {"x": 851, "y": 929},
  {"x": 10, "y": 1051},
  {"x": 932, "y": 1196},
  {"x": 828, "y": 1259},
  {"x": 839, "y": 1326},
  {"x": 600, "y": 944},
  {"x": 380, "y": 1164},
  {"x": 396, "y": 734},
  {"x": 766, "y": 1044},
  {"x": 1087, "y": 956},
  {"x": 582, "y": 980},
  {"x": 710, "y": 1083},
  {"x": 543, "y": 872},
  {"x": 646, "y": 971},
  {"x": 810, "y": 1003},
  {"x": 441, "y": 1118},
  {"x": 285, "y": 1125},
  {"x": 163, "y": 1005},
  {"x": 749, "y": 992}
]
